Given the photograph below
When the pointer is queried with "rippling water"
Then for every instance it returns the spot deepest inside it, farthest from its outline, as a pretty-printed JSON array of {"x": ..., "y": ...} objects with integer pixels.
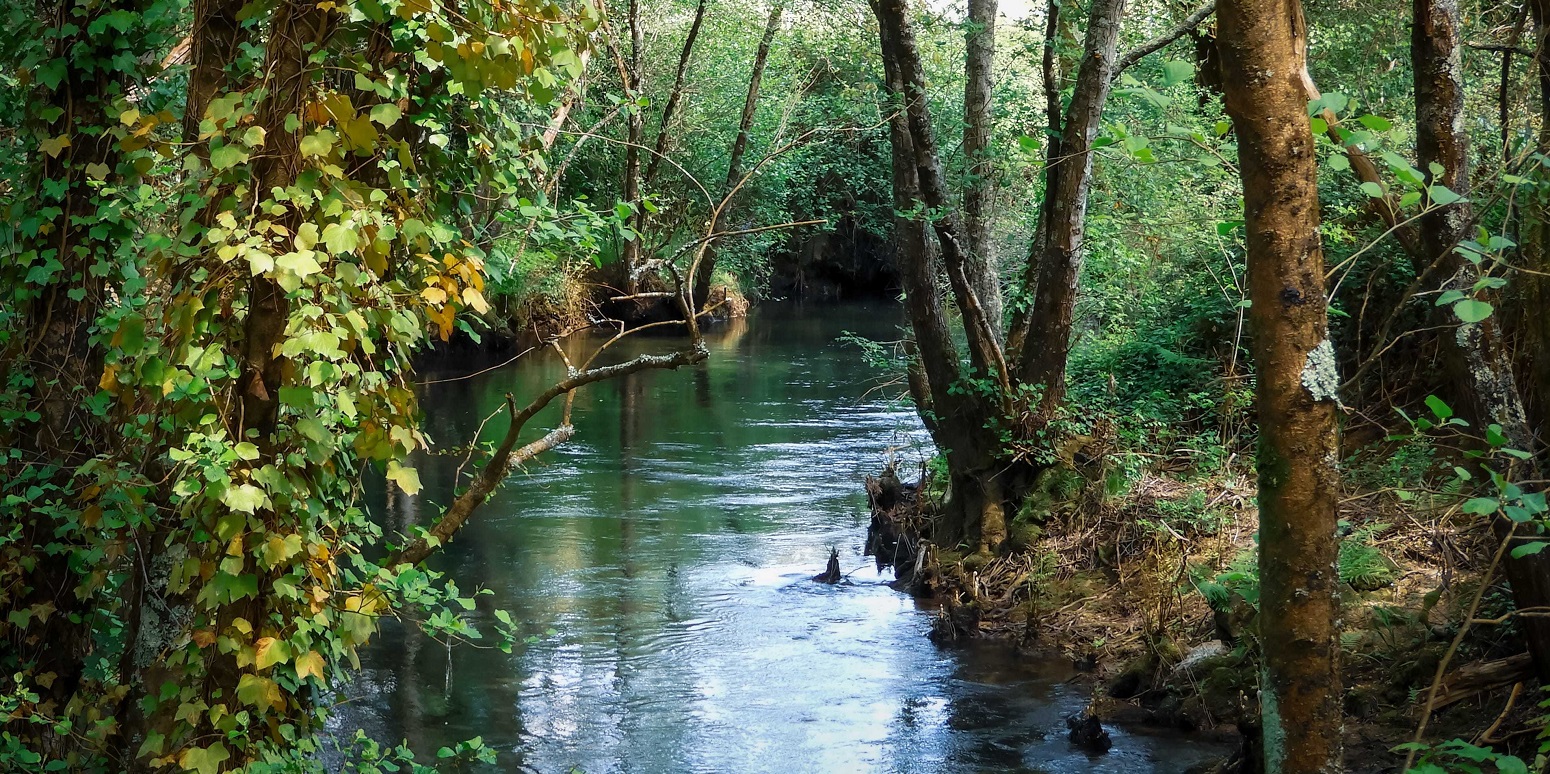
[{"x": 669, "y": 548}]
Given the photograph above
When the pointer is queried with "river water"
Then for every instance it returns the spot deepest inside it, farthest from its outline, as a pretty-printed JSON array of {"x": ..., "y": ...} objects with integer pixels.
[{"x": 662, "y": 560}]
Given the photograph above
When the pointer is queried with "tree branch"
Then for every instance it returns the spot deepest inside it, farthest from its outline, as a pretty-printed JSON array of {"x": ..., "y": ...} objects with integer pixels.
[
  {"x": 507, "y": 455},
  {"x": 1180, "y": 30}
]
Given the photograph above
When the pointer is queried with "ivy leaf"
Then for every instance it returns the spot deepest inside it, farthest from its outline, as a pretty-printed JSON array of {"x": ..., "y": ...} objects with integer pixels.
[
  {"x": 310, "y": 663},
  {"x": 53, "y": 147},
  {"x": 318, "y": 143},
  {"x": 408, "y": 479},
  {"x": 271, "y": 651},
  {"x": 300, "y": 264},
  {"x": 278, "y": 549},
  {"x": 386, "y": 114},
  {"x": 260, "y": 692},
  {"x": 204, "y": 760},
  {"x": 227, "y": 156},
  {"x": 1472, "y": 310},
  {"x": 340, "y": 238},
  {"x": 244, "y": 497}
]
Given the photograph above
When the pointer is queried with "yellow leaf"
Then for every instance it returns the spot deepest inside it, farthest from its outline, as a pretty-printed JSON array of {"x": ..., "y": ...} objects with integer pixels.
[
  {"x": 271, "y": 651},
  {"x": 310, "y": 663},
  {"x": 435, "y": 296},
  {"x": 55, "y": 146},
  {"x": 109, "y": 380},
  {"x": 475, "y": 299}
]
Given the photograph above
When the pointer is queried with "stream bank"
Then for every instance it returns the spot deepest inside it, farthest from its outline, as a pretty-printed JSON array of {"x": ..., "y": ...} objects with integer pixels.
[{"x": 1147, "y": 582}]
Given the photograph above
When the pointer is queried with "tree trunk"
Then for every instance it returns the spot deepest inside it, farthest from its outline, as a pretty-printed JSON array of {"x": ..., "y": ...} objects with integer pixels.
[
  {"x": 1048, "y": 341},
  {"x": 676, "y": 95},
  {"x": 1479, "y": 354},
  {"x": 977, "y": 130},
  {"x": 707, "y": 269},
  {"x": 216, "y": 37},
  {"x": 629, "y": 254},
  {"x": 1263, "y": 49},
  {"x": 63, "y": 365}
]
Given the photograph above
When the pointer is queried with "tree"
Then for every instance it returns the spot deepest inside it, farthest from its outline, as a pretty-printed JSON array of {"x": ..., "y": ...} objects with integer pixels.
[
  {"x": 991, "y": 422},
  {"x": 1264, "y": 61}
]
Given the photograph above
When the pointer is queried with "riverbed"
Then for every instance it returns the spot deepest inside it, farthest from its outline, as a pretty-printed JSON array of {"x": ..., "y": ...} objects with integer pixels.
[{"x": 661, "y": 563}]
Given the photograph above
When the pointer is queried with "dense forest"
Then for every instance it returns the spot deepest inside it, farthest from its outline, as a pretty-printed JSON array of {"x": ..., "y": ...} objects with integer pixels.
[{"x": 1228, "y": 323}]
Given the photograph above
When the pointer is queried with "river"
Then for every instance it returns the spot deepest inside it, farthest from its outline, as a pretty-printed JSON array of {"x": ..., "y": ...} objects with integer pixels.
[{"x": 662, "y": 562}]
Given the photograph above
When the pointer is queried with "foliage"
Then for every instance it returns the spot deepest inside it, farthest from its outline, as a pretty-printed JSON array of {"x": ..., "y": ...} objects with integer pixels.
[{"x": 232, "y": 298}]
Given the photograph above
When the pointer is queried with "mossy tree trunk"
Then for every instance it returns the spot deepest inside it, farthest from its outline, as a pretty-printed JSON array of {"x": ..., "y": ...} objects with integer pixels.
[{"x": 1264, "y": 48}]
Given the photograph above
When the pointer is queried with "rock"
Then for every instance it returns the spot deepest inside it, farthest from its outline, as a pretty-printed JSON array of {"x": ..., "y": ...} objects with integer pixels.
[{"x": 1087, "y": 733}]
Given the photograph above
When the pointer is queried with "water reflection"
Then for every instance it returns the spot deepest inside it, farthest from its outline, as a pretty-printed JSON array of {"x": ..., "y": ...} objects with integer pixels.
[{"x": 669, "y": 547}]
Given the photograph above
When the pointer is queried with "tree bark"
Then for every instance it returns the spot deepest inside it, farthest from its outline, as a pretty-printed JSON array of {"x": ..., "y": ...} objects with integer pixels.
[
  {"x": 979, "y": 83},
  {"x": 214, "y": 41},
  {"x": 1479, "y": 352},
  {"x": 1263, "y": 47},
  {"x": 707, "y": 269},
  {"x": 1048, "y": 341},
  {"x": 629, "y": 254}
]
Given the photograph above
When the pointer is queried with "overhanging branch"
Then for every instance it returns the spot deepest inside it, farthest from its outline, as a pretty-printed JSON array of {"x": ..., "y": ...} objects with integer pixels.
[
  {"x": 507, "y": 455},
  {"x": 1178, "y": 31}
]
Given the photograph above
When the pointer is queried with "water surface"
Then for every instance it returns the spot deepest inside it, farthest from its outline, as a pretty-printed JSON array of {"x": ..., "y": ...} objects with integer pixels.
[{"x": 669, "y": 548}]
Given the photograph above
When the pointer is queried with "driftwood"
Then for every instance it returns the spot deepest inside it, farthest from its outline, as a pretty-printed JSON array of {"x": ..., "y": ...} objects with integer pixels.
[
  {"x": 832, "y": 573},
  {"x": 1473, "y": 679}
]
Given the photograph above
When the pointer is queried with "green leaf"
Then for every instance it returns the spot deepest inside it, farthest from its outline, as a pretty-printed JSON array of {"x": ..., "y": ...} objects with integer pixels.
[
  {"x": 1472, "y": 310},
  {"x": 1176, "y": 72},
  {"x": 1439, "y": 408},
  {"x": 1442, "y": 196},
  {"x": 340, "y": 238},
  {"x": 386, "y": 114},
  {"x": 1481, "y": 506},
  {"x": 1338, "y": 162},
  {"x": 227, "y": 156},
  {"x": 1373, "y": 190},
  {"x": 1512, "y": 764},
  {"x": 246, "y": 451},
  {"x": 204, "y": 760},
  {"x": 1376, "y": 123}
]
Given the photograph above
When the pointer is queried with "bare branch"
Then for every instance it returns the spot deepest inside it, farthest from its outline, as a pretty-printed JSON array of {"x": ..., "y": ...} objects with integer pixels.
[
  {"x": 1178, "y": 31},
  {"x": 508, "y": 455}
]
